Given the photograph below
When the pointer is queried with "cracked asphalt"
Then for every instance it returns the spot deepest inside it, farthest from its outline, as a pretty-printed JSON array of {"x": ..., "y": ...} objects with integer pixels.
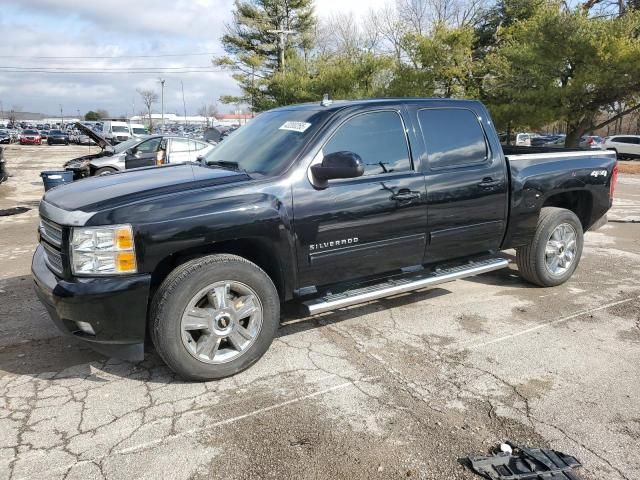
[{"x": 398, "y": 388}]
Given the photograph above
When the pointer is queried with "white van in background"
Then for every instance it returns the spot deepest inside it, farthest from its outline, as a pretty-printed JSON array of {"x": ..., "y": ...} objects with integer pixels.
[
  {"x": 523, "y": 140},
  {"x": 115, "y": 132},
  {"x": 138, "y": 130}
]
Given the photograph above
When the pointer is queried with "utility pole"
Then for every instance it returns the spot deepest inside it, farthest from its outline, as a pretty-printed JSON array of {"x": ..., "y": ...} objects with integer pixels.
[
  {"x": 78, "y": 110},
  {"x": 184, "y": 105},
  {"x": 162, "y": 100},
  {"x": 282, "y": 42},
  {"x": 1, "y": 111},
  {"x": 61, "y": 117}
]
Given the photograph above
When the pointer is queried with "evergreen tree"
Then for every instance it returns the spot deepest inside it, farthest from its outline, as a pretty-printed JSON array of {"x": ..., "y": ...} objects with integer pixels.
[
  {"x": 264, "y": 37},
  {"x": 561, "y": 64}
]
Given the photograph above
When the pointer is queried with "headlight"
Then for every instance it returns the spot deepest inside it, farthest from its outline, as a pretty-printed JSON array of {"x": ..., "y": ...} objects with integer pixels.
[{"x": 103, "y": 250}]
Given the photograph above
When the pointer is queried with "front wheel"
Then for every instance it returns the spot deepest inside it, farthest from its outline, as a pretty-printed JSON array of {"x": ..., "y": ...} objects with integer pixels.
[
  {"x": 104, "y": 171},
  {"x": 555, "y": 250},
  {"x": 214, "y": 316}
]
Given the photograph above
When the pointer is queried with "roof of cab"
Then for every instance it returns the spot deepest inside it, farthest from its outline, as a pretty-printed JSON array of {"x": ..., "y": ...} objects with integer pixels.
[{"x": 340, "y": 104}]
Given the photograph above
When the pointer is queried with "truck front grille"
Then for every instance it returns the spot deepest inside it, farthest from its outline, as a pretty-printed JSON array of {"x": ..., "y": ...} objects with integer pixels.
[
  {"x": 51, "y": 232},
  {"x": 51, "y": 241},
  {"x": 53, "y": 258}
]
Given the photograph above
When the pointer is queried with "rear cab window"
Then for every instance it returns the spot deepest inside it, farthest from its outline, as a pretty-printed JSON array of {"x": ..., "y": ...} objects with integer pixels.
[{"x": 453, "y": 138}]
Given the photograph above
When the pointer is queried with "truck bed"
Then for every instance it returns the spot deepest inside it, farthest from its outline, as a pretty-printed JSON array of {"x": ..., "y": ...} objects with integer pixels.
[{"x": 577, "y": 179}]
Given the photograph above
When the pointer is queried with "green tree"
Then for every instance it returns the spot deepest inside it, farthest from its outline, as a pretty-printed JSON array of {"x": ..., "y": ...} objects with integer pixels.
[
  {"x": 440, "y": 64},
  {"x": 92, "y": 116},
  {"x": 562, "y": 64},
  {"x": 263, "y": 38}
]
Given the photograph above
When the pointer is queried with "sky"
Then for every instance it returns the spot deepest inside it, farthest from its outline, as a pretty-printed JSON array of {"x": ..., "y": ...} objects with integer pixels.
[{"x": 119, "y": 34}]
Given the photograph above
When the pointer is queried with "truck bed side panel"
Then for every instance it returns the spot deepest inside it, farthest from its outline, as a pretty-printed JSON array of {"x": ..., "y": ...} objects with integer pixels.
[{"x": 539, "y": 179}]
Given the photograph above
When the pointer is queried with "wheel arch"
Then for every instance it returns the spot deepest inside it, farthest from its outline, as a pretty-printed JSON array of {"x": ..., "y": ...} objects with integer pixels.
[
  {"x": 579, "y": 202},
  {"x": 259, "y": 251}
]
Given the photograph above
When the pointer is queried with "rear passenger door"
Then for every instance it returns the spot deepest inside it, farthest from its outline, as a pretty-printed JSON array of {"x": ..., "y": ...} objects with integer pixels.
[{"x": 467, "y": 185}]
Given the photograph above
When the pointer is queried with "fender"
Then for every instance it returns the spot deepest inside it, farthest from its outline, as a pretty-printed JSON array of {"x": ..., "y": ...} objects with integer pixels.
[{"x": 199, "y": 219}]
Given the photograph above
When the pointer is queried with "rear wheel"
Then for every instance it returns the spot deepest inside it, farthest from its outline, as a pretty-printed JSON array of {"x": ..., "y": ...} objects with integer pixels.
[
  {"x": 555, "y": 250},
  {"x": 214, "y": 316}
]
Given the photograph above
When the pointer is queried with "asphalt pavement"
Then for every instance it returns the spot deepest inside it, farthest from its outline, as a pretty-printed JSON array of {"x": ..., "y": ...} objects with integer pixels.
[{"x": 397, "y": 388}]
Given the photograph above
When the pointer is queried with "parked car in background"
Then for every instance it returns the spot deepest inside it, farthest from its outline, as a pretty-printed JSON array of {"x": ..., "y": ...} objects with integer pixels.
[
  {"x": 523, "y": 140},
  {"x": 57, "y": 137},
  {"x": 625, "y": 146},
  {"x": 115, "y": 132},
  {"x": 135, "y": 152},
  {"x": 44, "y": 134},
  {"x": 5, "y": 136},
  {"x": 30, "y": 137},
  {"x": 592, "y": 141},
  {"x": 138, "y": 130},
  {"x": 84, "y": 140}
]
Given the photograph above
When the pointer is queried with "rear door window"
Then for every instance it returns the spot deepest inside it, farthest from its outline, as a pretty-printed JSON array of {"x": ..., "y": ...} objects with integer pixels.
[
  {"x": 453, "y": 137},
  {"x": 181, "y": 145}
]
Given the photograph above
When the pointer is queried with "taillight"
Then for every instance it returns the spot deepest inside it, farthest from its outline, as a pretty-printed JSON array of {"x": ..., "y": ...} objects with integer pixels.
[
  {"x": 614, "y": 181},
  {"x": 590, "y": 141}
]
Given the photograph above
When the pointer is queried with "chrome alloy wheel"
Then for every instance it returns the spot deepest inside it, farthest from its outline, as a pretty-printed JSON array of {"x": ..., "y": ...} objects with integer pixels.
[
  {"x": 221, "y": 322},
  {"x": 561, "y": 249}
]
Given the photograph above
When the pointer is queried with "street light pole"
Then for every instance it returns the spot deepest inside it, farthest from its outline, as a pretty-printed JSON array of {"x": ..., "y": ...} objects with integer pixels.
[
  {"x": 61, "y": 117},
  {"x": 162, "y": 101}
]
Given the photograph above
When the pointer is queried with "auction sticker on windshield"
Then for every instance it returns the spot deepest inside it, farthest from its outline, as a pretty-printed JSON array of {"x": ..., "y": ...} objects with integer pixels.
[{"x": 295, "y": 126}]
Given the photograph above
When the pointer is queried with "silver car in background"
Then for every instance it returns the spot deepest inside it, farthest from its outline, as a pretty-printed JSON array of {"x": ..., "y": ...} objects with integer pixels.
[{"x": 136, "y": 152}]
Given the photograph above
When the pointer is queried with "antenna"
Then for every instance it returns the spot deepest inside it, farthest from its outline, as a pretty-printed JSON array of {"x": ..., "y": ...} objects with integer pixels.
[{"x": 325, "y": 100}]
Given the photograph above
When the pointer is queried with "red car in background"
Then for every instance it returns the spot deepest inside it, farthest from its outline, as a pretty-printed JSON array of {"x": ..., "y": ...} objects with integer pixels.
[{"x": 30, "y": 137}]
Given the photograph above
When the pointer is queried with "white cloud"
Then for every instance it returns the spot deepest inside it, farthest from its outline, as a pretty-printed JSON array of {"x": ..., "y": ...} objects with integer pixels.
[{"x": 95, "y": 29}]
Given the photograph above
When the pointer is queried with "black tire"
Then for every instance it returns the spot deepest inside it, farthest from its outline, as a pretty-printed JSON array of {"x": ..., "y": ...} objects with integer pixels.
[
  {"x": 176, "y": 292},
  {"x": 104, "y": 171},
  {"x": 531, "y": 259}
]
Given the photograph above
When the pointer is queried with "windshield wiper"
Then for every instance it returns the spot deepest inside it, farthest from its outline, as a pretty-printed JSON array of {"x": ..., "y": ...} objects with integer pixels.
[{"x": 227, "y": 165}]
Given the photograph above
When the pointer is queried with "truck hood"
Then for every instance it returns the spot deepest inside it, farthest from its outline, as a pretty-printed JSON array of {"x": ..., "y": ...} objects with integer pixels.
[
  {"x": 95, "y": 136},
  {"x": 108, "y": 191}
]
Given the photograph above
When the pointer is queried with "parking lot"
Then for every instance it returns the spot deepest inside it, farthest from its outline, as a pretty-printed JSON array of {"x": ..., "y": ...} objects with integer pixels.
[{"x": 397, "y": 388}]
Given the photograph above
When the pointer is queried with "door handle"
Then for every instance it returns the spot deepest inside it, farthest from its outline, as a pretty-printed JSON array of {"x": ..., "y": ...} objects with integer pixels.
[
  {"x": 405, "y": 195},
  {"x": 489, "y": 182}
]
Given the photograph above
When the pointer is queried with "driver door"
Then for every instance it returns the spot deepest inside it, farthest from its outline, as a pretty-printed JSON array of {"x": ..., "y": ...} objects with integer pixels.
[
  {"x": 357, "y": 227},
  {"x": 144, "y": 154}
]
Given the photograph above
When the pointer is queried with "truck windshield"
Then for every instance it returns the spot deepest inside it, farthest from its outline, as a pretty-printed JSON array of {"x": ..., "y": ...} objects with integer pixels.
[{"x": 268, "y": 143}]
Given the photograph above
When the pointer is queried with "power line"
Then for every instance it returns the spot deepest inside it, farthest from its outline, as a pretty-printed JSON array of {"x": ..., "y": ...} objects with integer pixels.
[
  {"x": 126, "y": 72},
  {"x": 107, "y": 69},
  {"x": 24, "y": 57}
]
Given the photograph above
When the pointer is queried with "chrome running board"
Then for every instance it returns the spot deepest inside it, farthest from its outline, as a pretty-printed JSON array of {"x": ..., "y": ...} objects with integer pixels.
[{"x": 404, "y": 284}]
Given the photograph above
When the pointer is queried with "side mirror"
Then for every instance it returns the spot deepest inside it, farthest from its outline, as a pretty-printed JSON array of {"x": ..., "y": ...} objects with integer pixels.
[
  {"x": 131, "y": 151},
  {"x": 338, "y": 165}
]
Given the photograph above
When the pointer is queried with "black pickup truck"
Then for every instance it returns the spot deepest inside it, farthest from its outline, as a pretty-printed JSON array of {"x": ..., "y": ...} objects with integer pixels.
[{"x": 326, "y": 205}]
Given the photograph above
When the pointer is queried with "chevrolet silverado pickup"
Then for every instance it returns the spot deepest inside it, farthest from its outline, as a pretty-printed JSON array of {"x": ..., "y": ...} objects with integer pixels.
[{"x": 327, "y": 205}]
